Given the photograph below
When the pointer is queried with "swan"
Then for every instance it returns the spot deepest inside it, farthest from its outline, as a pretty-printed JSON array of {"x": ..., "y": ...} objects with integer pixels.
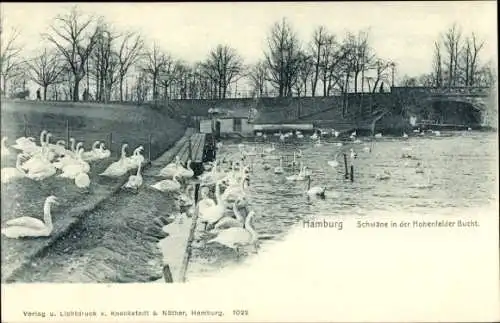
[
  {"x": 11, "y": 173},
  {"x": 279, "y": 169},
  {"x": 314, "y": 136},
  {"x": 315, "y": 190},
  {"x": 102, "y": 153},
  {"x": 31, "y": 227},
  {"x": 36, "y": 152},
  {"x": 282, "y": 137},
  {"x": 437, "y": 133},
  {"x": 419, "y": 169},
  {"x": 119, "y": 167},
  {"x": 353, "y": 154},
  {"x": 82, "y": 180},
  {"x": 79, "y": 166},
  {"x": 237, "y": 237},
  {"x": 170, "y": 169},
  {"x": 353, "y": 135},
  {"x": 41, "y": 173},
  {"x": 270, "y": 149},
  {"x": 186, "y": 198},
  {"x": 186, "y": 172},
  {"x": 23, "y": 142},
  {"x": 211, "y": 214},
  {"x": 59, "y": 148},
  {"x": 378, "y": 135},
  {"x": 235, "y": 191},
  {"x": 336, "y": 133},
  {"x": 5, "y": 149},
  {"x": 384, "y": 176},
  {"x": 405, "y": 135},
  {"x": 294, "y": 160},
  {"x": 134, "y": 181},
  {"x": 31, "y": 147},
  {"x": 227, "y": 222},
  {"x": 205, "y": 201},
  {"x": 167, "y": 185},
  {"x": 69, "y": 159},
  {"x": 91, "y": 154},
  {"x": 318, "y": 143},
  {"x": 298, "y": 177},
  {"x": 334, "y": 163},
  {"x": 300, "y": 136},
  {"x": 137, "y": 157}
]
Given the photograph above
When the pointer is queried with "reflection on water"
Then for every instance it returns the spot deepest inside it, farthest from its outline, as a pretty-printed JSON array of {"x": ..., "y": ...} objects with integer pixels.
[{"x": 459, "y": 172}]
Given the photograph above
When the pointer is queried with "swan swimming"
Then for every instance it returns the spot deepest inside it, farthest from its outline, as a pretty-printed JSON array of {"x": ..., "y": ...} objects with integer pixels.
[
  {"x": 315, "y": 190},
  {"x": 31, "y": 227},
  {"x": 279, "y": 169}
]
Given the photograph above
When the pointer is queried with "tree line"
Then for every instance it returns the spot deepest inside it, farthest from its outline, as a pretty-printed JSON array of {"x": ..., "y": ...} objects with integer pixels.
[
  {"x": 456, "y": 62},
  {"x": 86, "y": 58}
]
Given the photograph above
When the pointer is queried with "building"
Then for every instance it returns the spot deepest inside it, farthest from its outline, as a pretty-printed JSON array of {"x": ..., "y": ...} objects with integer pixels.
[{"x": 228, "y": 122}]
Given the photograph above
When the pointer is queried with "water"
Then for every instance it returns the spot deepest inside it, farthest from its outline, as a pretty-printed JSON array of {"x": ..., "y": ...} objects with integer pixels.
[{"x": 461, "y": 167}]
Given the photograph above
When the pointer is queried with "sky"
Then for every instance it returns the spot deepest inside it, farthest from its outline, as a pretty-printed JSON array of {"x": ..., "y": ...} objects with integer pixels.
[{"x": 401, "y": 31}]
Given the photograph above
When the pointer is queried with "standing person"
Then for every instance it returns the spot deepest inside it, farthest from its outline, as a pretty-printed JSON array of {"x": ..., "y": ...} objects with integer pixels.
[{"x": 38, "y": 95}]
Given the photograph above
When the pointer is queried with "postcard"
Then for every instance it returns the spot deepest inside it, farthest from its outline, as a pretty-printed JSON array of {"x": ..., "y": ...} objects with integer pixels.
[{"x": 249, "y": 162}]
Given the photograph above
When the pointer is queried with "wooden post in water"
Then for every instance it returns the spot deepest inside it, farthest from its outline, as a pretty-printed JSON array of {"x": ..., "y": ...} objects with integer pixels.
[
  {"x": 25, "y": 121},
  {"x": 345, "y": 166},
  {"x": 167, "y": 274},
  {"x": 352, "y": 173},
  {"x": 67, "y": 134},
  {"x": 110, "y": 142},
  {"x": 149, "y": 146},
  {"x": 190, "y": 149}
]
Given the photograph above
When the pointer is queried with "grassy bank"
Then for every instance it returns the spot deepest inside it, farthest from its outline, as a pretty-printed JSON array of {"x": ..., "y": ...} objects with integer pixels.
[{"x": 87, "y": 123}]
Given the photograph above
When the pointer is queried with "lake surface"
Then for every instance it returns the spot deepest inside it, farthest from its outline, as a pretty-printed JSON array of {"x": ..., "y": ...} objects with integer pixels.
[{"x": 460, "y": 166}]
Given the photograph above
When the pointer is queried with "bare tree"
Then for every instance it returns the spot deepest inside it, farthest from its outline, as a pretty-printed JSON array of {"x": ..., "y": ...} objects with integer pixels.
[
  {"x": 283, "y": 57},
  {"x": 154, "y": 64},
  {"x": 437, "y": 65},
  {"x": 320, "y": 38},
  {"x": 224, "y": 66},
  {"x": 128, "y": 54},
  {"x": 257, "y": 75},
  {"x": 381, "y": 68},
  {"x": 473, "y": 67},
  {"x": 45, "y": 70},
  {"x": 10, "y": 60},
  {"x": 451, "y": 41},
  {"x": 75, "y": 40},
  {"x": 305, "y": 74}
]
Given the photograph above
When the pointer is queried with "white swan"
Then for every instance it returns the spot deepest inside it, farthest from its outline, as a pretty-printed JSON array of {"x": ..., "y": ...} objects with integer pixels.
[
  {"x": 102, "y": 153},
  {"x": 73, "y": 169},
  {"x": 118, "y": 168},
  {"x": 211, "y": 214},
  {"x": 134, "y": 181},
  {"x": 298, "y": 177},
  {"x": 384, "y": 176},
  {"x": 237, "y": 237},
  {"x": 136, "y": 158},
  {"x": 353, "y": 154},
  {"x": 70, "y": 158},
  {"x": 82, "y": 180},
  {"x": 334, "y": 163},
  {"x": 92, "y": 154},
  {"x": 171, "y": 169},
  {"x": 270, "y": 149},
  {"x": 315, "y": 190},
  {"x": 37, "y": 153},
  {"x": 30, "y": 147},
  {"x": 186, "y": 172},
  {"x": 205, "y": 201},
  {"x": 167, "y": 185},
  {"x": 5, "y": 149},
  {"x": 279, "y": 169},
  {"x": 31, "y": 227},
  {"x": 23, "y": 142},
  {"x": 11, "y": 173},
  {"x": 378, "y": 135},
  {"x": 41, "y": 173},
  {"x": 235, "y": 191},
  {"x": 405, "y": 135},
  {"x": 186, "y": 198},
  {"x": 227, "y": 222}
]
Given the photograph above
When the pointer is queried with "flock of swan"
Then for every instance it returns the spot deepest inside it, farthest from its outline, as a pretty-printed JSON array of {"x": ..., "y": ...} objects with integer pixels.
[{"x": 39, "y": 162}]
